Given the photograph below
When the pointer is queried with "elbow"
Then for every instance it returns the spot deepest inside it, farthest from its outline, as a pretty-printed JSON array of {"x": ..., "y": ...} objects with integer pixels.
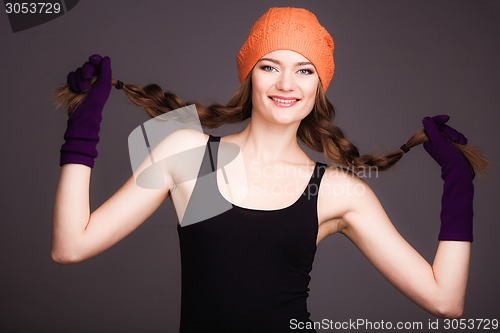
[
  {"x": 64, "y": 257},
  {"x": 452, "y": 313},
  {"x": 70, "y": 251},
  {"x": 447, "y": 304},
  {"x": 449, "y": 310}
]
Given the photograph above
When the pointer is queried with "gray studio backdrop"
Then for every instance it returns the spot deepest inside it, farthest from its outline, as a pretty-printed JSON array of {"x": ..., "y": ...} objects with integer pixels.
[{"x": 397, "y": 61}]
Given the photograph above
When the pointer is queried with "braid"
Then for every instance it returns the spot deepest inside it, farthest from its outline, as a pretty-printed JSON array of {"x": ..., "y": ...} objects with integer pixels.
[
  {"x": 319, "y": 133},
  {"x": 156, "y": 102},
  {"x": 317, "y": 130}
]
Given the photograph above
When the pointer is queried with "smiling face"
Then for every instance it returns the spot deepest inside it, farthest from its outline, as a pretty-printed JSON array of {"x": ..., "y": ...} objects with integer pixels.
[{"x": 284, "y": 85}]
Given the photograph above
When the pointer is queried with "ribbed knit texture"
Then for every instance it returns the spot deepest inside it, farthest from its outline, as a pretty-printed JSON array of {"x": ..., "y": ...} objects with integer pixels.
[{"x": 294, "y": 29}]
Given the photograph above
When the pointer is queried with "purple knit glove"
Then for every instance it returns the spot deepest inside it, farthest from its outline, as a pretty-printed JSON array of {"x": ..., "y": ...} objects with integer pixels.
[
  {"x": 82, "y": 133},
  {"x": 458, "y": 190}
]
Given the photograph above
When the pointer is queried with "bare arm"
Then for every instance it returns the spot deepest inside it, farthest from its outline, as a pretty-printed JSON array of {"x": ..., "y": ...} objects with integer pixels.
[
  {"x": 79, "y": 234},
  {"x": 438, "y": 288}
]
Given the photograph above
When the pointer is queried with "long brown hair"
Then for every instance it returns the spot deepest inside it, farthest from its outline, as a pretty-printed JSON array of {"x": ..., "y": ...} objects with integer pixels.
[{"x": 317, "y": 131}]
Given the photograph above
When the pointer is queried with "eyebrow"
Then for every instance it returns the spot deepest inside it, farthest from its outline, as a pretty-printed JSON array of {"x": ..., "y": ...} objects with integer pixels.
[{"x": 276, "y": 61}]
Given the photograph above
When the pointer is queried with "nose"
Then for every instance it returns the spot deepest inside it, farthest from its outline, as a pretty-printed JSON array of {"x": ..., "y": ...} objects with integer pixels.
[{"x": 285, "y": 81}]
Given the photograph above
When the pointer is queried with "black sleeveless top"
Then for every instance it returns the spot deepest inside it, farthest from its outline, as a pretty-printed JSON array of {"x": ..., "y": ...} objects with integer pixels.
[{"x": 247, "y": 270}]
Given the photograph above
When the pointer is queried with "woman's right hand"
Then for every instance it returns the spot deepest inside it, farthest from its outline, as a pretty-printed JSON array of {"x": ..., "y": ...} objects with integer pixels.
[
  {"x": 79, "y": 233},
  {"x": 82, "y": 133}
]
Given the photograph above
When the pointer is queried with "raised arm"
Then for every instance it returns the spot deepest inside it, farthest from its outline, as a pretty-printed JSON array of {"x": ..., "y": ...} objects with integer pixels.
[
  {"x": 439, "y": 288},
  {"x": 77, "y": 233}
]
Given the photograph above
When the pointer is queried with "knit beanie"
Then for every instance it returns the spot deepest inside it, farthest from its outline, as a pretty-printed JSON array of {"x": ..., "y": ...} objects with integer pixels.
[{"x": 294, "y": 29}]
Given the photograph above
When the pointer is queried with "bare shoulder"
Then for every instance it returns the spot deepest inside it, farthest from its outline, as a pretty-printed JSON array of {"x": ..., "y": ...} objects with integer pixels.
[
  {"x": 175, "y": 157},
  {"x": 341, "y": 192},
  {"x": 339, "y": 183},
  {"x": 179, "y": 141}
]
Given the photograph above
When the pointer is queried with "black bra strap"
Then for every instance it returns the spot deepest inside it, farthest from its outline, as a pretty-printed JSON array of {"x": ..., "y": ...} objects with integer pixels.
[
  {"x": 213, "y": 140},
  {"x": 319, "y": 171}
]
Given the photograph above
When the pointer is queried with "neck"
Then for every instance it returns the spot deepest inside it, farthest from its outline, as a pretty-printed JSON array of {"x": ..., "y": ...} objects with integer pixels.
[{"x": 269, "y": 143}]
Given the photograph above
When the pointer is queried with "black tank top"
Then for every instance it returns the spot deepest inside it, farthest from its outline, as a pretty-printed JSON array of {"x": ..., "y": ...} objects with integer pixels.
[{"x": 247, "y": 270}]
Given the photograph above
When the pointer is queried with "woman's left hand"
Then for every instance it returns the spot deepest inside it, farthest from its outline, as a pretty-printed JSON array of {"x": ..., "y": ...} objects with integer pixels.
[
  {"x": 458, "y": 190},
  {"x": 440, "y": 147}
]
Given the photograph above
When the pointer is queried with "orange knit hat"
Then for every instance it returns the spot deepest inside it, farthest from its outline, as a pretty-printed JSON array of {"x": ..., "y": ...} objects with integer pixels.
[{"x": 294, "y": 29}]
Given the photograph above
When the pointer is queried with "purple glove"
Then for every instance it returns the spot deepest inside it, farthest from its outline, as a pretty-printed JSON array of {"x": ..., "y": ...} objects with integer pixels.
[
  {"x": 82, "y": 133},
  {"x": 458, "y": 190}
]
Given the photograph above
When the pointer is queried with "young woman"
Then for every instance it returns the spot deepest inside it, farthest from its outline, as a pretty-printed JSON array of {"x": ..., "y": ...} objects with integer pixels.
[{"x": 247, "y": 268}]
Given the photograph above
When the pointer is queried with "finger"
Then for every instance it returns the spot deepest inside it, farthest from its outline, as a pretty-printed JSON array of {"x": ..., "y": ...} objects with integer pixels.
[
  {"x": 73, "y": 82},
  {"x": 104, "y": 72},
  {"x": 95, "y": 59},
  {"x": 102, "y": 86},
  {"x": 453, "y": 134},
  {"x": 441, "y": 119},
  {"x": 450, "y": 132},
  {"x": 88, "y": 71},
  {"x": 83, "y": 84},
  {"x": 463, "y": 139},
  {"x": 428, "y": 146},
  {"x": 431, "y": 129}
]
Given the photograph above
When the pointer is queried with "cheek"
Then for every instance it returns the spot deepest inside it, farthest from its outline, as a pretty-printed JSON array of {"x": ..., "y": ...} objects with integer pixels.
[
  {"x": 310, "y": 91},
  {"x": 311, "y": 87},
  {"x": 260, "y": 86}
]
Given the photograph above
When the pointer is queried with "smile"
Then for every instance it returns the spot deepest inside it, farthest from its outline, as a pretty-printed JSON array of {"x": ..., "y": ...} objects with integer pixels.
[{"x": 284, "y": 102}]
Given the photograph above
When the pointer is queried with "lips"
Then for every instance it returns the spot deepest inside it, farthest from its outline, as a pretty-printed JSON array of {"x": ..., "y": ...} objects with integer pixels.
[{"x": 284, "y": 101}]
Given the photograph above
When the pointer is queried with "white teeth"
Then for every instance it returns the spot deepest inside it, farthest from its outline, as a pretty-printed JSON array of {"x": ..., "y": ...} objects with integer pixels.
[{"x": 283, "y": 101}]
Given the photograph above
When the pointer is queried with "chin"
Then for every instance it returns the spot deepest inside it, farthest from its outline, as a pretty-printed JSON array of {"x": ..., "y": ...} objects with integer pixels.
[{"x": 287, "y": 115}]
